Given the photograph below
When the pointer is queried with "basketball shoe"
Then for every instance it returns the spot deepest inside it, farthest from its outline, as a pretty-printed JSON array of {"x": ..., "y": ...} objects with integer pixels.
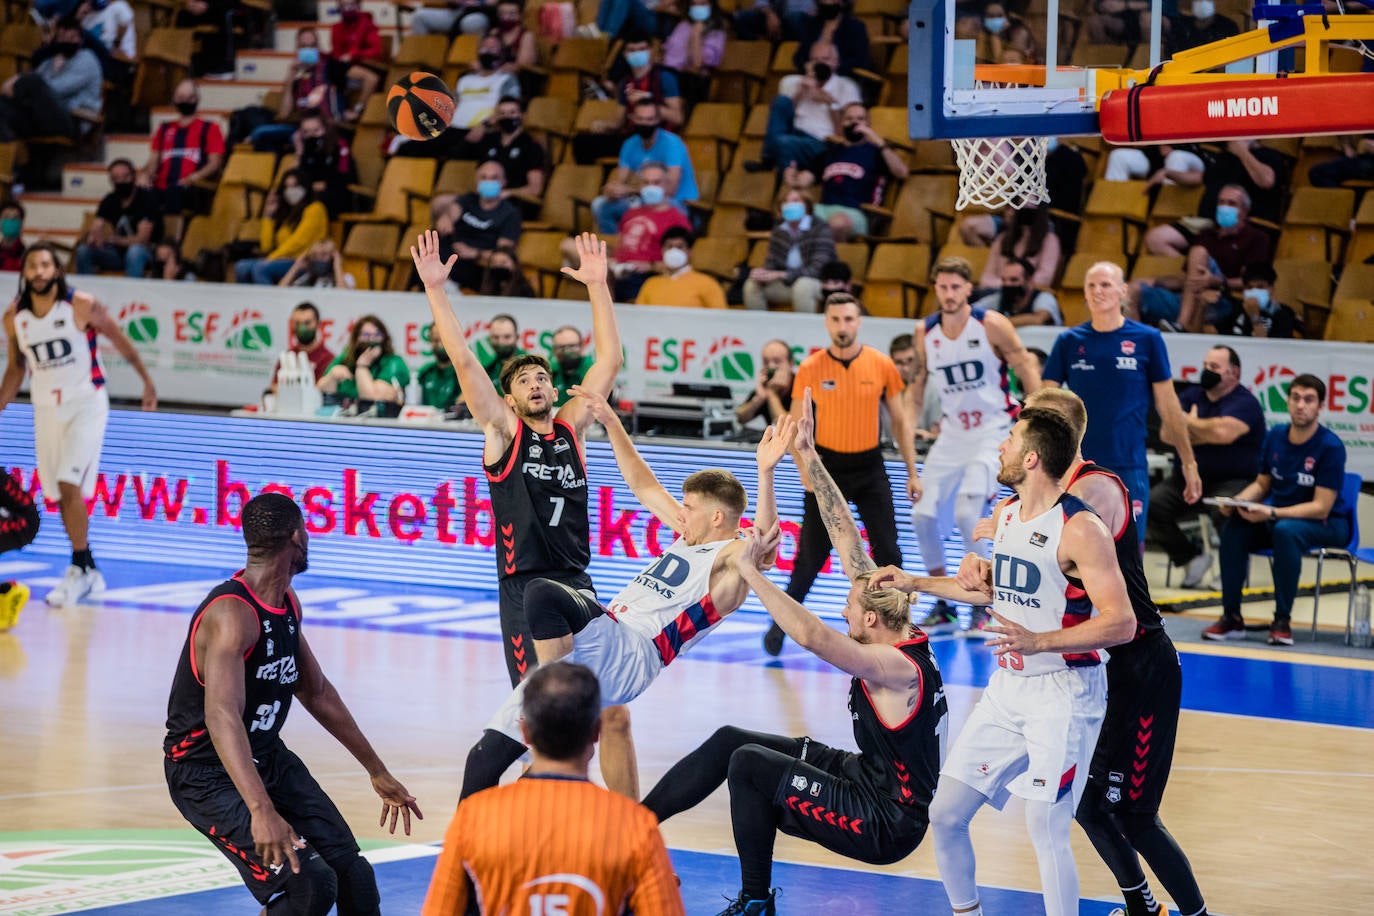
[
  {"x": 751, "y": 906},
  {"x": 1280, "y": 633},
  {"x": 942, "y": 618},
  {"x": 76, "y": 586},
  {"x": 1225, "y": 628},
  {"x": 13, "y": 597}
]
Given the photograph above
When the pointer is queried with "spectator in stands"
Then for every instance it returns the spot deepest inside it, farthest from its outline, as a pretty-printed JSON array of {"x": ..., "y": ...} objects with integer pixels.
[
  {"x": 1029, "y": 235},
  {"x": 694, "y": 49},
  {"x": 468, "y": 17},
  {"x": 1260, "y": 172},
  {"x": 111, "y": 22},
  {"x": 1009, "y": 39},
  {"x": 902, "y": 349},
  {"x": 355, "y": 54},
  {"x": 292, "y": 222},
  {"x": 1226, "y": 428},
  {"x": 799, "y": 246},
  {"x": 184, "y": 151},
  {"x": 833, "y": 25},
  {"x": 1258, "y": 313},
  {"x": 1298, "y": 506},
  {"x": 650, "y": 143},
  {"x": 569, "y": 363},
  {"x": 306, "y": 338},
  {"x": 853, "y": 174},
  {"x": 776, "y": 20},
  {"x": 306, "y": 89},
  {"x": 518, "y": 46},
  {"x": 1125, "y": 22},
  {"x": 11, "y": 235},
  {"x": 475, "y": 224},
  {"x": 368, "y": 369},
  {"x": 167, "y": 263},
  {"x": 214, "y": 53},
  {"x": 837, "y": 277},
  {"x": 321, "y": 265},
  {"x": 1356, "y": 163},
  {"x": 623, "y": 19},
  {"x": 502, "y": 138},
  {"x": 641, "y": 233},
  {"x": 325, "y": 161},
  {"x": 480, "y": 89},
  {"x": 806, "y": 112},
  {"x": 1206, "y": 25},
  {"x": 1020, "y": 297},
  {"x": 644, "y": 81},
  {"x": 438, "y": 379},
  {"x": 503, "y": 277},
  {"x": 678, "y": 284},
  {"x": 41, "y": 103},
  {"x": 1065, "y": 173},
  {"x": 126, "y": 226},
  {"x": 772, "y": 395},
  {"x": 503, "y": 336},
  {"x": 1161, "y": 165}
]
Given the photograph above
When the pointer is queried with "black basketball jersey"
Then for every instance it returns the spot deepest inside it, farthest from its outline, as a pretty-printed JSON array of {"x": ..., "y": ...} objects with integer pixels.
[
  {"x": 269, "y": 675},
  {"x": 539, "y": 500},
  {"x": 903, "y": 761},
  {"x": 1147, "y": 616}
]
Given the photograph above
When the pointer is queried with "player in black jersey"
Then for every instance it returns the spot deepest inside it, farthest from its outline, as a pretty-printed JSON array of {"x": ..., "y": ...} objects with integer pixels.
[
  {"x": 1135, "y": 748},
  {"x": 18, "y": 527},
  {"x": 229, "y": 774},
  {"x": 535, "y": 470},
  {"x": 870, "y": 806}
]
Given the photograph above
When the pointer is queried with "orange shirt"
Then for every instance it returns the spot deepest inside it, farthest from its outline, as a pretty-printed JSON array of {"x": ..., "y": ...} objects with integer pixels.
[
  {"x": 846, "y": 396},
  {"x": 551, "y": 845}
]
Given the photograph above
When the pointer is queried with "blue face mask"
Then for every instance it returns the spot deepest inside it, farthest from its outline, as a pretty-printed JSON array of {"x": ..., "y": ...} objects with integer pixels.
[
  {"x": 651, "y": 195},
  {"x": 793, "y": 211},
  {"x": 1261, "y": 297},
  {"x": 637, "y": 59},
  {"x": 995, "y": 24},
  {"x": 698, "y": 13},
  {"x": 489, "y": 189},
  {"x": 308, "y": 56},
  {"x": 1227, "y": 216}
]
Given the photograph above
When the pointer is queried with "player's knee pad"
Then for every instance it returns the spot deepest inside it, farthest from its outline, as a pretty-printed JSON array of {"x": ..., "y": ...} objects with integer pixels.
[
  {"x": 547, "y": 606},
  {"x": 358, "y": 895},
  {"x": 309, "y": 892}
]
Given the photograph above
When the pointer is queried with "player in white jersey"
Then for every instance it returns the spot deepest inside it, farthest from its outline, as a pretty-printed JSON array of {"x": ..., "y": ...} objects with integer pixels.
[
  {"x": 52, "y": 331},
  {"x": 1033, "y": 731},
  {"x": 964, "y": 352},
  {"x": 666, "y": 609}
]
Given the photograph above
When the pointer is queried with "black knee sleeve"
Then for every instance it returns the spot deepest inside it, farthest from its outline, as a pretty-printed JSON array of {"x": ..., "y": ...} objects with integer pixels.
[
  {"x": 358, "y": 894},
  {"x": 488, "y": 759},
  {"x": 309, "y": 892},
  {"x": 1135, "y": 827},
  {"x": 553, "y": 609}
]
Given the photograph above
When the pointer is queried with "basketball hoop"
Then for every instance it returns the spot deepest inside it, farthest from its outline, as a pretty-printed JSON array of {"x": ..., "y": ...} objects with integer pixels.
[{"x": 1000, "y": 172}]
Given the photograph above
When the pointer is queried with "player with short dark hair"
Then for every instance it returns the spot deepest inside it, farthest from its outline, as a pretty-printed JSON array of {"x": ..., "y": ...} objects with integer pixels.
[{"x": 244, "y": 662}]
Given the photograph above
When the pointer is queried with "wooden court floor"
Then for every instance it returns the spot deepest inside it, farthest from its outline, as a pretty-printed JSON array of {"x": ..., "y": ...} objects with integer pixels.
[{"x": 1277, "y": 815}]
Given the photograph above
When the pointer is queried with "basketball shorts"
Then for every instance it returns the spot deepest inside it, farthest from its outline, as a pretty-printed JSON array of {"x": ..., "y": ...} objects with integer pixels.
[
  {"x": 956, "y": 465},
  {"x": 820, "y": 800},
  {"x": 206, "y": 797},
  {"x": 624, "y": 661},
  {"x": 67, "y": 439},
  {"x": 516, "y": 641},
  {"x": 1135, "y": 750},
  {"x": 1031, "y": 736}
]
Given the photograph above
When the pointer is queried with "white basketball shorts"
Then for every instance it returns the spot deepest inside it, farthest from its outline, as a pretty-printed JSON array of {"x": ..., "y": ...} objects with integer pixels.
[{"x": 67, "y": 439}]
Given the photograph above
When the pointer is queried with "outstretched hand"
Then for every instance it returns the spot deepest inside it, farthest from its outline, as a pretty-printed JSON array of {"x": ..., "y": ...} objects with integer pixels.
[
  {"x": 396, "y": 801},
  {"x": 760, "y": 547},
  {"x": 775, "y": 442},
  {"x": 591, "y": 260},
  {"x": 432, "y": 271},
  {"x": 597, "y": 405}
]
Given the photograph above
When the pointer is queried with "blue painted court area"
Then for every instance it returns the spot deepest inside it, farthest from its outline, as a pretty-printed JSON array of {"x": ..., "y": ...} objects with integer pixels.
[{"x": 807, "y": 888}]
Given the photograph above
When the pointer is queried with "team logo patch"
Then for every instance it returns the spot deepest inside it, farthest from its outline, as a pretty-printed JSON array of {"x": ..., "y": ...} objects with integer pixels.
[
  {"x": 1113, "y": 795},
  {"x": 815, "y": 788},
  {"x": 1115, "y": 777},
  {"x": 1128, "y": 347},
  {"x": 559, "y": 446},
  {"x": 1038, "y": 783},
  {"x": 974, "y": 343},
  {"x": 1309, "y": 463},
  {"x": 1039, "y": 540},
  {"x": 271, "y": 648},
  {"x": 799, "y": 783},
  {"x": 828, "y": 384},
  {"x": 267, "y": 626},
  {"x": 984, "y": 769},
  {"x": 536, "y": 451}
]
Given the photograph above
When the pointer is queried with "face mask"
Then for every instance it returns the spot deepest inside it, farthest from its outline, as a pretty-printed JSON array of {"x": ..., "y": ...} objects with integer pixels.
[
  {"x": 651, "y": 195},
  {"x": 1011, "y": 297},
  {"x": 67, "y": 48},
  {"x": 674, "y": 258},
  {"x": 488, "y": 60},
  {"x": 1261, "y": 296},
  {"x": 510, "y": 24},
  {"x": 637, "y": 59},
  {"x": 1227, "y": 216},
  {"x": 441, "y": 356},
  {"x": 499, "y": 275},
  {"x": 569, "y": 361},
  {"x": 793, "y": 211},
  {"x": 1209, "y": 379},
  {"x": 489, "y": 189},
  {"x": 698, "y": 13},
  {"x": 509, "y": 125},
  {"x": 503, "y": 351},
  {"x": 852, "y": 133},
  {"x": 828, "y": 11},
  {"x": 322, "y": 268},
  {"x": 821, "y": 72},
  {"x": 186, "y": 109},
  {"x": 348, "y": 15},
  {"x": 646, "y": 130},
  {"x": 995, "y": 24},
  {"x": 293, "y": 195},
  {"x": 305, "y": 335},
  {"x": 9, "y": 228},
  {"x": 124, "y": 188},
  {"x": 1203, "y": 9},
  {"x": 308, "y": 56}
]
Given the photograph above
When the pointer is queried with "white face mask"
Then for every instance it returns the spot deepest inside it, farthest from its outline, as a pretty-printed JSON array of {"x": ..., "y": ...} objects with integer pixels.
[
  {"x": 674, "y": 258},
  {"x": 1203, "y": 9},
  {"x": 293, "y": 195}
]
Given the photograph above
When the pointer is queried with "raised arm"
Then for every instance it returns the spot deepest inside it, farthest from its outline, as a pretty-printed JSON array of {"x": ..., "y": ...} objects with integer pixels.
[
  {"x": 600, "y": 378},
  {"x": 96, "y": 316},
  {"x": 636, "y": 471},
  {"x": 777, "y": 440},
  {"x": 488, "y": 407},
  {"x": 14, "y": 369},
  {"x": 1004, "y": 339},
  {"x": 839, "y": 521}
]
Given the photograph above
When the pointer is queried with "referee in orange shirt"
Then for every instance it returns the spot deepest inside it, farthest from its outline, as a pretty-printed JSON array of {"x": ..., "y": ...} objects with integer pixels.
[
  {"x": 551, "y": 842},
  {"x": 848, "y": 381}
]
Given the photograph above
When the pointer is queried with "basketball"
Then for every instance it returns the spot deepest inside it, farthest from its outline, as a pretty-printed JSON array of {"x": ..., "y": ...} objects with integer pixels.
[{"x": 420, "y": 106}]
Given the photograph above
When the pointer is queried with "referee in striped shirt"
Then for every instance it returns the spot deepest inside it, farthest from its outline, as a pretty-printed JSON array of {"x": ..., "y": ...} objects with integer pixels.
[{"x": 848, "y": 382}]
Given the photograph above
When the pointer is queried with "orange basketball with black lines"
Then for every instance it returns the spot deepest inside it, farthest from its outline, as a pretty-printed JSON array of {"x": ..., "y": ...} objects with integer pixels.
[{"x": 420, "y": 106}]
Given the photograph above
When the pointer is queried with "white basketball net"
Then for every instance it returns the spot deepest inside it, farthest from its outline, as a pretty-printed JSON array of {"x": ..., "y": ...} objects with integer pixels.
[{"x": 1000, "y": 172}]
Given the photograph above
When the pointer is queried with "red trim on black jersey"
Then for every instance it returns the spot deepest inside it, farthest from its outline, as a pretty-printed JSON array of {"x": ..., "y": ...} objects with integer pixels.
[
  {"x": 920, "y": 690},
  {"x": 577, "y": 440},
  {"x": 195, "y": 669},
  {"x": 237, "y": 577},
  {"x": 514, "y": 453},
  {"x": 1088, "y": 469}
]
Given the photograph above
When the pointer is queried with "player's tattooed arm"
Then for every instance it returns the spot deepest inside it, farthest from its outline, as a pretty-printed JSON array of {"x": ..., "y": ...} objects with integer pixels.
[{"x": 834, "y": 508}]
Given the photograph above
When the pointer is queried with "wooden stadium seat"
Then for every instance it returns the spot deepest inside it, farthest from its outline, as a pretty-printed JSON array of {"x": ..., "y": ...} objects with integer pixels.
[
  {"x": 574, "y": 60},
  {"x": 403, "y": 265},
  {"x": 1356, "y": 282},
  {"x": 458, "y": 176},
  {"x": 404, "y": 182},
  {"x": 855, "y": 254},
  {"x": 714, "y": 127},
  {"x": 421, "y": 51},
  {"x": 742, "y": 73},
  {"x": 1351, "y": 320},
  {"x": 976, "y": 256},
  {"x": 463, "y": 51},
  {"x": 551, "y": 120},
  {"x": 891, "y": 124},
  {"x": 933, "y": 157},
  {"x": 568, "y": 183},
  {"x": 18, "y": 42},
  {"x": 164, "y": 59},
  {"x": 541, "y": 259},
  {"x": 1302, "y": 282},
  {"x": 923, "y": 211},
  {"x": 253, "y": 174},
  {"x": 369, "y": 248},
  {"x": 374, "y": 127},
  {"x": 1317, "y": 224},
  {"x": 1150, "y": 266},
  {"x": 741, "y": 194},
  {"x": 896, "y": 280},
  {"x": 1362, "y": 241},
  {"x": 720, "y": 256},
  {"x": 1174, "y": 202},
  {"x": 1114, "y": 218}
]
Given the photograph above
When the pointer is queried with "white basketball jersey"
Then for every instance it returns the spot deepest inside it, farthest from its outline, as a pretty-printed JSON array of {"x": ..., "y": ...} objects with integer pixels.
[
  {"x": 1031, "y": 589},
  {"x": 975, "y": 393},
  {"x": 61, "y": 356},
  {"x": 670, "y": 601}
]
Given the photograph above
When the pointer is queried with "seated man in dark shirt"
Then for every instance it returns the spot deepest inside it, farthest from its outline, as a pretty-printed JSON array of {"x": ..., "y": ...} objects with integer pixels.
[
  {"x": 1254, "y": 312},
  {"x": 502, "y": 138},
  {"x": 127, "y": 226},
  {"x": 852, "y": 175},
  {"x": 1205, "y": 26},
  {"x": 1225, "y": 427},
  {"x": 475, "y": 224}
]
